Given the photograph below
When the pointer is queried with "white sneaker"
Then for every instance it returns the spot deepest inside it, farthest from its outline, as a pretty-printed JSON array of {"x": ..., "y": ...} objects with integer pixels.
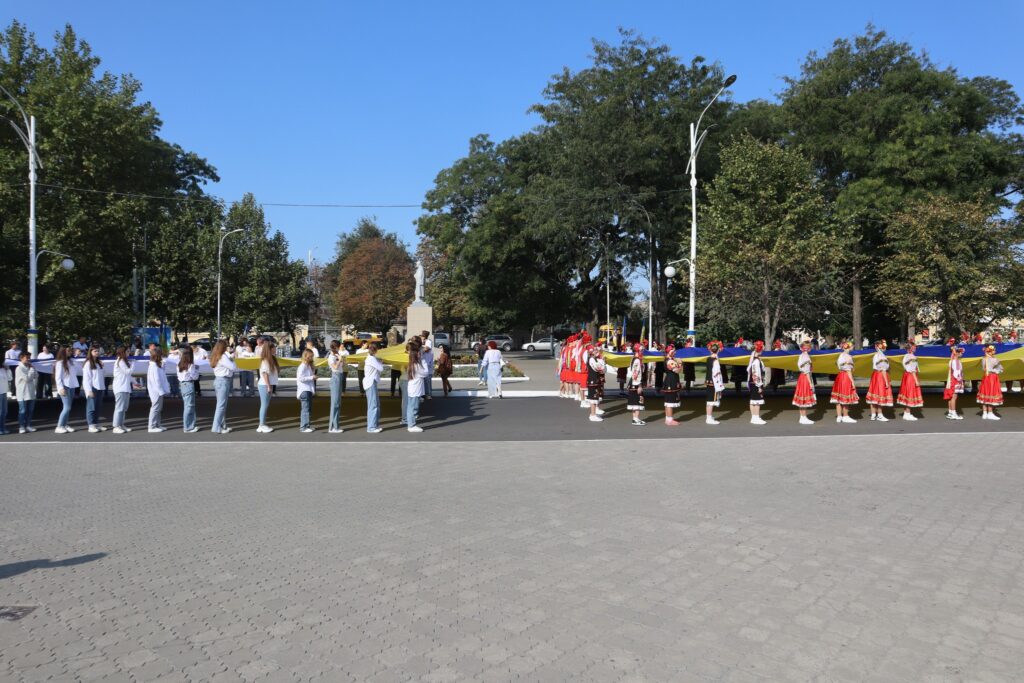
[
  {"x": 957, "y": 416},
  {"x": 1016, "y": 390},
  {"x": 155, "y": 430},
  {"x": 264, "y": 429},
  {"x": 22, "y": 430},
  {"x": 30, "y": 429},
  {"x": 757, "y": 421},
  {"x": 118, "y": 430},
  {"x": 909, "y": 418},
  {"x": 595, "y": 418},
  {"x": 335, "y": 431},
  {"x": 804, "y": 420},
  {"x": 882, "y": 418},
  {"x": 69, "y": 429},
  {"x": 584, "y": 404},
  {"x": 92, "y": 430},
  {"x": 848, "y": 420},
  {"x": 415, "y": 430},
  {"x": 101, "y": 428},
  {"x": 375, "y": 430},
  {"x": 991, "y": 416},
  {"x": 600, "y": 412},
  {"x": 225, "y": 430},
  {"x": 874, "y": 417},
  {"x": 60, "y": 430},
  {"x": 711, "y": 421},
  {"x": 307, "y": 430},
  {"x": 839, "y": 418},
  {"x": 950, "y": 416}
]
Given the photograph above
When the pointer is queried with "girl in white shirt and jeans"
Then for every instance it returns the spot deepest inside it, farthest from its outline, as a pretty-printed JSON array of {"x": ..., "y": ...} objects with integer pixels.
[
  {"x": 223, "y": 370},
  {"x": 371, "y": 374},
  {"x": 188, "y": 378},
  {"x": 158, "y": 386},
  {"x": 265, "y": 385},
  {"x": 93, "y": 385},
  {"x": 305, "y": 387},
  {"x": 66, "y": 381},
  {"x": 122, "y": 388}
]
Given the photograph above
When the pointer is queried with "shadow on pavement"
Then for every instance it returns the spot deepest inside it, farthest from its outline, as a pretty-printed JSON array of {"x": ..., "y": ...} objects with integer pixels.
[{"x": 16, "y": 568}]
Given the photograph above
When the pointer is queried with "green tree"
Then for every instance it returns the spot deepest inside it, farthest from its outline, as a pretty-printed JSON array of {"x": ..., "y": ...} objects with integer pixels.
[
  {"x": 956, "y": 258},
  {"x": 100, "y": 145},
  {"x": 768, "y": 246},
  {"x": 885, "y": 126},
  {"x": 375, "y": 284}
]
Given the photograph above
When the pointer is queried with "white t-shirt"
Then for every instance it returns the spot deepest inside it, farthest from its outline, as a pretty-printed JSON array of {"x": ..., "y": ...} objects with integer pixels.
[
  {"x": 65, "y": 378},
  {"x": 305, "y": 380},
  {"x": 372, "y": 370},
  {"x": 156, "y": 381},
  {"x": 225, "y": 367},
  {"x": 492, "y": 356},
  {"x": 12, "y": 354},
  {"x": 191, "y": 374},
  {"x": 92, "y": 378},
  {"x": 44, "y": 369},
  {"x": 416, "y": 385},
  {"x": 265, "y": 368},
  {"x": 336, "y": 361},
  {"x": 200, "y": 353},
  {"x": 122, "y": 377}
]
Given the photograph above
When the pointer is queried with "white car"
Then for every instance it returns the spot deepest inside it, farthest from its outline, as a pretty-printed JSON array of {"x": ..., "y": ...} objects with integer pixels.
[{"x": 539, "y": 345}]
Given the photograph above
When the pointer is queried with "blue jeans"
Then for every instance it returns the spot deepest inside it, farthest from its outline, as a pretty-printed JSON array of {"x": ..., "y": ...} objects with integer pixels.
[
  {"x": 481, "y": 370},
  {"x": 403, "y": 389},
  {"x": 120, "y": 407},
  {"x": 172, "y": 379},
  {"x": 412, "y": 409},
  {"x": 65, "y": 411},
  {"x": 25, "y": 410},
  {"x": 222, "y": 388},
  {"x": 372, "y": 408},
  {"x": 154, "y": 413},
  {"x": 336, "y": 389},
  {"x": 245, "y": 380},
  {"x": 306, "y": 399},
  {"x": 3, "y": 410},
  {"x": 91, "y": 418},
  {"x": 264, "y": 403},
  {"x": 188, "y": 411}
]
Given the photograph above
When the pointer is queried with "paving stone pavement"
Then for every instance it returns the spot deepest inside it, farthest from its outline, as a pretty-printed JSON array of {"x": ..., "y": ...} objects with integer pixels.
[{"x": 885, "y": 558}]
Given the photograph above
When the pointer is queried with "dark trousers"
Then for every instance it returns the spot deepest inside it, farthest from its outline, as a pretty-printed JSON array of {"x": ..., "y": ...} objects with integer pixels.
[
  {"x": 395, "y": 376},
  {"x": 45, "y": 387}
]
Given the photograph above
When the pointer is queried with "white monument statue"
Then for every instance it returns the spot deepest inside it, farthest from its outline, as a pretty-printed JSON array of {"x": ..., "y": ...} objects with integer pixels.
[{"x": 420, "y": 276}]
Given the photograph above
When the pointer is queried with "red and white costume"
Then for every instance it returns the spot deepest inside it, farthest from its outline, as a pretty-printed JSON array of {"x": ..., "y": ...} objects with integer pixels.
[
  {"x": 844, "y": 392},
  {"x": 803, "y": 396},
  {"x": 954, "y": 378},
  {"x": 910, "y": 388},
  {"x": 880, "y": 388},
  {"x": 990, "y": 393}
]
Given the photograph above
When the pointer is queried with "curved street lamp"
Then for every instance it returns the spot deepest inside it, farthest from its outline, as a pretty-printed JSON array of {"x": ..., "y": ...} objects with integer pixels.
[
  {"x": 220, "y": 248},
  {"x": 696, "y": 140}
]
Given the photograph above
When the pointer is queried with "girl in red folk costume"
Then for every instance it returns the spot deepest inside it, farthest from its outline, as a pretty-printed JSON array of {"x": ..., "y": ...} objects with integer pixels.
[
  {"x": 595, "y": 382},
  {"x": 714, "y": 382},
  {"x": 844, "y": 393},
  {"x": 670, "y": 387},
  {"x": 563, "y": 368},
  {"x": 880, "y": 390},
  {"x": 990, "y": 393},
  {"x": 635, "y": 385},
  {"x": 910, "y": 388},
  {"x": 954, "y": 382},
  {"x": 1009, "y": 383},
  {"x": 755, "y": 383},
  {"x": 803, "y": 396}
]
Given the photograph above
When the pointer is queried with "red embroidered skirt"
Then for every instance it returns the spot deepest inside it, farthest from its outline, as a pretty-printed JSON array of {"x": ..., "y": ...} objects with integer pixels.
[
  {"x": 804, "y": 396},
  {"x": 879, "y": 390},
  {"x": 990, "y": 393},
  {"x": 843, "y": 391},
  {"x": 910, "y": 391}
]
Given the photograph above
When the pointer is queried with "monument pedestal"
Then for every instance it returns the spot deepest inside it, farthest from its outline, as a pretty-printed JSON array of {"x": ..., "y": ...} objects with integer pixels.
[{"x": 418, "y": 317}]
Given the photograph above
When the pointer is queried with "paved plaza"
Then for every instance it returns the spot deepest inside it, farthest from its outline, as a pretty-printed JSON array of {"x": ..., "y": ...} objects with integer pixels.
[{"x": 826, "y": 558}]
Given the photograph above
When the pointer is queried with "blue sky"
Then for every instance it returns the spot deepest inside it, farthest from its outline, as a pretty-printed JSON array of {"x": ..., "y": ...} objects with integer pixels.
[{"x": 363, "y": 103}]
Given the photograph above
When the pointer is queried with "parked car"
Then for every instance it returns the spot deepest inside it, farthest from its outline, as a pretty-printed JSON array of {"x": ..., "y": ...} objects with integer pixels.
[
  {"x": 442, "y": 339},
  {"x": 503, "y": 341},
  {"x": 360, "y": 339},
  {"x": 539, "y": 345}
]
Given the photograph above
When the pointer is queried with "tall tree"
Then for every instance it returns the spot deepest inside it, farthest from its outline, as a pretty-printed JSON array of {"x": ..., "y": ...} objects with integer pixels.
[
  {"x": 955, "y": 260},
  {"x": 769, "y": 249},
  {"x": 885, "y": 126},
  {"x": 375, "y": 284}
]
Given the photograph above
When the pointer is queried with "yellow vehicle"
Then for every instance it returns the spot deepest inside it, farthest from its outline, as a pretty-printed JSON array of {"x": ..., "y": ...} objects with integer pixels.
[{"x": 354, "y": 342}]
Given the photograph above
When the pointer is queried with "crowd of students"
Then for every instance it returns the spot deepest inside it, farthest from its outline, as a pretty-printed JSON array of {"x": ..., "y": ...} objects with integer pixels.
[{"x": 177, "y": 374}]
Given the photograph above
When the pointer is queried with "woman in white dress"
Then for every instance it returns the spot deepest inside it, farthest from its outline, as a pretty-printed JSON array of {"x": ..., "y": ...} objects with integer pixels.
[{"x": 493, "y": 362}]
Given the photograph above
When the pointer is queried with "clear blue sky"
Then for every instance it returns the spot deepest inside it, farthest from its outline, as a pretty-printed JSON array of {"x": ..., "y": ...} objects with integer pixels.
[{"x": 363, "y": 103}]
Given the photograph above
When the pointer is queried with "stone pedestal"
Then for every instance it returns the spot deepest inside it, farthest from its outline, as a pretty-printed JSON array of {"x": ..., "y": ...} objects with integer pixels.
[{"x": 419, "y": 316}]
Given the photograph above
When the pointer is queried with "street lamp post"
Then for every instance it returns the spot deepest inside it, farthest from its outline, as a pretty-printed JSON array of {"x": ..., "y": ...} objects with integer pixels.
[
  {"x": 28, "y": 137},
  {"x": 696, "y": 140},
  {"x": 220, "y": 250}
]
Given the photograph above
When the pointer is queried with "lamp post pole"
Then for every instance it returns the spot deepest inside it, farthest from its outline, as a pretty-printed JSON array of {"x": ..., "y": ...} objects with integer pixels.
[
  {"x": 696, "y": 140},
  {"x": 28, "y": 138},
  {"x": 220, "y": 250}
]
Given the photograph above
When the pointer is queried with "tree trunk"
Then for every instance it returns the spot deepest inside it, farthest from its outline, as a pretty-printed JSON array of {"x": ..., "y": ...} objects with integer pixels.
[{"x": 858, "y": 314}]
